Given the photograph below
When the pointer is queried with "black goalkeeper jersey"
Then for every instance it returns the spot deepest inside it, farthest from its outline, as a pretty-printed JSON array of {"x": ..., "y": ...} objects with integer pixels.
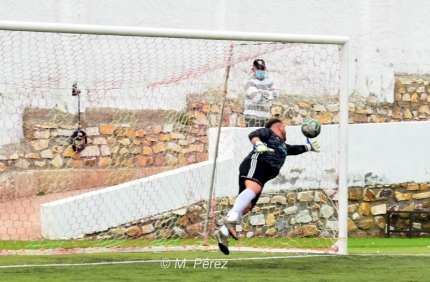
[{"x": 275, "y": 159}]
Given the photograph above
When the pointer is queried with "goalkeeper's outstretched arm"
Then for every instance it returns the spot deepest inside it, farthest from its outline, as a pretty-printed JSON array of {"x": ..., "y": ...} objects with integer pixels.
[
  {"x": 311, "y": 146},
  {"x": 293, "y": 150}
]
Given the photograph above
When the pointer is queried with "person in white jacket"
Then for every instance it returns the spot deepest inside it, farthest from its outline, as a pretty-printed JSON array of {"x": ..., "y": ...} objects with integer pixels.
[{"x": 260, "y": 92}]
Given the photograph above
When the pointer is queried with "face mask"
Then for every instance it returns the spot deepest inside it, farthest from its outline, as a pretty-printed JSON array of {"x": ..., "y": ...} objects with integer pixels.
[{"x": 260, "y": 74}]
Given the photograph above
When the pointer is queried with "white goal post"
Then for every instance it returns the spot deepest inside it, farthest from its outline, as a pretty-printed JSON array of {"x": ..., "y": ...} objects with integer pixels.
[{"x": 236, "y": 36}]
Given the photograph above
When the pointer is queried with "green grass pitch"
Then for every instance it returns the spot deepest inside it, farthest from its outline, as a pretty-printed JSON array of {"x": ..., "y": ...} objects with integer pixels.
[{"x": 369, "y": 259}]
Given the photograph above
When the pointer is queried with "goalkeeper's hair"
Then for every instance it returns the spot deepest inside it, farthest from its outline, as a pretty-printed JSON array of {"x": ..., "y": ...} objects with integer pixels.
[{"x": 271, "y": 122}]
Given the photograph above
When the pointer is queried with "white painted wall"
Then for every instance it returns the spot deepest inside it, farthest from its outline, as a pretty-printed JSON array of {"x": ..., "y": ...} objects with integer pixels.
[
  {"x": 387, "y": 36},
  {"x": 378, "y": 154},
  {"x": 100, "y": 210}
]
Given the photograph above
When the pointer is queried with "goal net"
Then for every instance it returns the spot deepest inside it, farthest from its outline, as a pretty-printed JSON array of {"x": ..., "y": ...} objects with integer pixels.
[{"x": 132, "y": 138}]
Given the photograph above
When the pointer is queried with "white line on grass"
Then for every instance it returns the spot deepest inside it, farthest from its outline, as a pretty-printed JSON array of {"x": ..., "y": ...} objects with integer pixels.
[
  {"x": 194, "y": 260},
  {"x": 155, "y": 261},
  {"x": 213, "y": 248}
]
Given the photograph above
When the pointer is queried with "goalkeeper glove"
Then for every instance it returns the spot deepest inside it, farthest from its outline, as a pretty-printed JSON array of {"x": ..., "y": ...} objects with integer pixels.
[
  {"x": 313, "y": 145},
  {"x": 259, "y": 147}
]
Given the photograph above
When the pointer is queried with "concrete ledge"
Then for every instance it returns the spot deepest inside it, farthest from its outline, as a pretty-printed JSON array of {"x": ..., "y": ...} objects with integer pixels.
[{"x": 28, "y": 183}]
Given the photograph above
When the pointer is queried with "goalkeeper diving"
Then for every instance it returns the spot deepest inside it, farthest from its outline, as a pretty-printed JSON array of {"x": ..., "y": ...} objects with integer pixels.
[{"x": 261, "y": 165}]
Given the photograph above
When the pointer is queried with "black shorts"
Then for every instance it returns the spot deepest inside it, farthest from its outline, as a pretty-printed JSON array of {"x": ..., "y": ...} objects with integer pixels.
[{"x": 257, "y": 171}]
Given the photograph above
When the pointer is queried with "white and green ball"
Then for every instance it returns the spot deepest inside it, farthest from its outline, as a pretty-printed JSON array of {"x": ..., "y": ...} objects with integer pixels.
[{"x": 311, "y": 128}]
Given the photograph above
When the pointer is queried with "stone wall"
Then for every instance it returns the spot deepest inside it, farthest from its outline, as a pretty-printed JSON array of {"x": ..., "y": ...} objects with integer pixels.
[
  {"x": 411, "y": 103},
  {"x": 294, "y": 214},
  {"x": 45, "y": 162},
  {"x": 368, "y": 208}
]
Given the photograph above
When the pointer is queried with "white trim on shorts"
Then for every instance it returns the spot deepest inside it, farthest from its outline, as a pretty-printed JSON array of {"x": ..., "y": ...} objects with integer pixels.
[{"x": 253, "y": 165}]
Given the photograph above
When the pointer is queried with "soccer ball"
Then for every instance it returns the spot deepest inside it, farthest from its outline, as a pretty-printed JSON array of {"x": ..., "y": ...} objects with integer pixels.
[{"x": 311, "y": 128}]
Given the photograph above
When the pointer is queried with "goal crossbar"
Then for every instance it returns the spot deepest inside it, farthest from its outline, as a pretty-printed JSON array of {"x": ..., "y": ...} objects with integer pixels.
[{"x": 172, "y": 33}]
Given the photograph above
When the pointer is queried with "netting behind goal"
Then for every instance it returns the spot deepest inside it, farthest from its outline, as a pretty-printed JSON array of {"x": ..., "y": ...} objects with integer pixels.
[{"x": 110, "y": 141}]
